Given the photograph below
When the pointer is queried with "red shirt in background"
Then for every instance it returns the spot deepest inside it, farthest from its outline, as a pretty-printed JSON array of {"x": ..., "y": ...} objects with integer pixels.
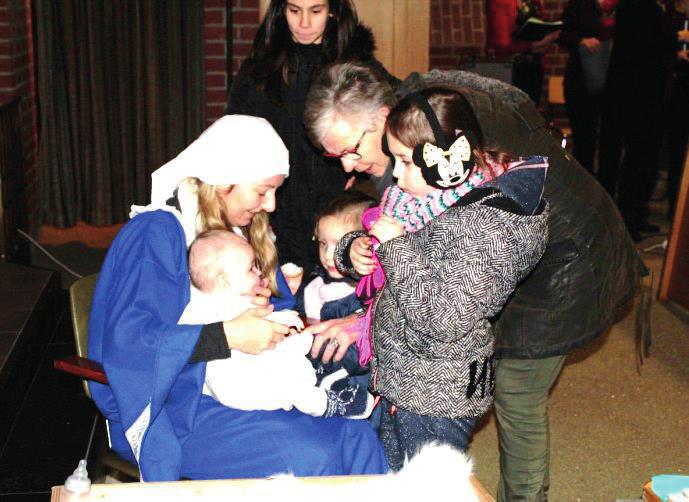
[{"x": 501, "y": 17}]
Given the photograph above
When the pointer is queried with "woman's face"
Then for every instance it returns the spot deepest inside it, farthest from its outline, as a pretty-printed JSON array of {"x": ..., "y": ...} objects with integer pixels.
[
  {"x": 242, "y": 202},
  {"x": 409, "y": 177},
  {"x": 307, "y": 20}
]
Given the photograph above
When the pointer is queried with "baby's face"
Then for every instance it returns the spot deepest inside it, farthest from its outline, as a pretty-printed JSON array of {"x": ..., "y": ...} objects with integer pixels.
[
  {"x": 243, "y": 274},
  {"x": 330, "y": 231}
]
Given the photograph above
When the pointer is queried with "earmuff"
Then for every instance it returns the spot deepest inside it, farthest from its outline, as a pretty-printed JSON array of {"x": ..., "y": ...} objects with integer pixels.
[{"x": 449, "y": 161}]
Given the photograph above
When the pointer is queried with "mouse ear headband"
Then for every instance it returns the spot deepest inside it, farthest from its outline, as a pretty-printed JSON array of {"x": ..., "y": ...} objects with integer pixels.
[{"x": 448, "y": 162}]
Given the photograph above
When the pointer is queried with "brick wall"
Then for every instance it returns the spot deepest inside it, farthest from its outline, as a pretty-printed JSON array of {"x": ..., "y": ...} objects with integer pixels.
[
  {"x": 458, "y": 27},
  {"x": 245, "y": 24},
  {"x": 17, "y": 82}
]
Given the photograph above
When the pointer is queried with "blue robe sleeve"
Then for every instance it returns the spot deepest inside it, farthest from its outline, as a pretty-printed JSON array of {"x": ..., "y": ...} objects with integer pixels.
[
  {"x": 142, "y": 290},
  {"x": 286, "y": 300}
]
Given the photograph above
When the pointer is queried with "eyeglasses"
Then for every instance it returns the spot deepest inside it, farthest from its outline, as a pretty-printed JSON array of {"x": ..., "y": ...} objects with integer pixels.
[{"x": 351, "y": 154}]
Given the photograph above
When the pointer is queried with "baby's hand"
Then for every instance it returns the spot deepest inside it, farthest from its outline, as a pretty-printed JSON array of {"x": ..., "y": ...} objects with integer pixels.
[
  {"x": 288, "y": 318},
  {"x": 386, "y": 228}
]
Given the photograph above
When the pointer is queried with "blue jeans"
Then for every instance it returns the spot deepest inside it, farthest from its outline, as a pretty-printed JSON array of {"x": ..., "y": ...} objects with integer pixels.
[{"x": 403, "y": 433}]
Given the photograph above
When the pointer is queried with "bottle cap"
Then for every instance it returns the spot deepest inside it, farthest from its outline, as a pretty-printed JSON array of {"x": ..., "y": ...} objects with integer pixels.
[{"x": 79, "y": 481}]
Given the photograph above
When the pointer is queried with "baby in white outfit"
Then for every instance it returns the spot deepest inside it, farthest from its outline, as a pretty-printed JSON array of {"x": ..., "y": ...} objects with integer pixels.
[{"x": 223, "y": 275}]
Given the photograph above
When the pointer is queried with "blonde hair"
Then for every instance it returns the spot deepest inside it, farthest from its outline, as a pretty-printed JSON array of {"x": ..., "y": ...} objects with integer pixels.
[{"x": 258, "y": 233}]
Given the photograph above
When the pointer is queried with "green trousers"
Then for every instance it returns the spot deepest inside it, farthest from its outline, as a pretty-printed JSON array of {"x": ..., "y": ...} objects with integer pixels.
[{"x": 521, "y": 407}]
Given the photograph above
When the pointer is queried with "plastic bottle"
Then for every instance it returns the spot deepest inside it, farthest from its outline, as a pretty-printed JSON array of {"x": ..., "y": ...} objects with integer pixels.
[{"x": 77, "y": 485}]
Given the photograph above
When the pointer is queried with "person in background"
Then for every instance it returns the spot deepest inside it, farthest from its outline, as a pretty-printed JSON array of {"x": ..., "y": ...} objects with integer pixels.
[
  {"x": 503, "y": 17},
  {"x": 676, "y": 32},
  {"x": 294, "y": 40},
  {"x": 585, "y": 281},
  {"x": 631, "y": 127},
  {"x": 586, "y": 25}
]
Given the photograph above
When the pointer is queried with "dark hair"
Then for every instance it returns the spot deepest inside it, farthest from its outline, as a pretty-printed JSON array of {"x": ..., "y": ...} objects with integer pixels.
[
  {"x": 408, "y": 123},
  {"x": 268, "y": 59},
  {"x": 348, "y": 205}
]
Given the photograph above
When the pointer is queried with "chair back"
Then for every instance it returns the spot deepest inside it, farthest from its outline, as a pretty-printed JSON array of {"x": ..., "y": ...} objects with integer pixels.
[{"x": 80, "y": 298}]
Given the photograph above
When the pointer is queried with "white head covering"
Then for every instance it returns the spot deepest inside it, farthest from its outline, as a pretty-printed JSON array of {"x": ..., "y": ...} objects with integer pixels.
[{"x": 235, "y": 149}]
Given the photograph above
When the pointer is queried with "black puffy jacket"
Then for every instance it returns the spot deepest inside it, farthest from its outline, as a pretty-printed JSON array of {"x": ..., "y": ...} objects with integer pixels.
[{"x": 590, "y": 269}]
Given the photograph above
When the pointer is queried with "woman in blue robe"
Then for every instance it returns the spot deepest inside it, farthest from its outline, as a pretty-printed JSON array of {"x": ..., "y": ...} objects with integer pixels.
[{"x": 156, "y": 412}]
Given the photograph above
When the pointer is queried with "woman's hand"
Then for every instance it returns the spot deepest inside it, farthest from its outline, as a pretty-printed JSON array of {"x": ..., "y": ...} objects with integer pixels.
[
  {"x": 543, "y": 44},
  {"x": 591, "y": 44},
  {"x": 336, "y": 334},
  {"x": 361, "y": 255},
  {"x": 251, "y": 334},
  {"x": 386, "y": 228},
  {"x": 683, "y": 55}
]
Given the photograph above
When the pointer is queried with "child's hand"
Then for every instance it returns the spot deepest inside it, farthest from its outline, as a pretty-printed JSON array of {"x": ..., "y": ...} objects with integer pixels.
[
  {"x": 386, "y": 228},
  {"x": 288, "y": 318},
  {"x": 361, "y": 256}
]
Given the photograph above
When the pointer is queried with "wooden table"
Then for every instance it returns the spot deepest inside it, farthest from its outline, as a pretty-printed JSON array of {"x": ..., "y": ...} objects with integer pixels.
[{"x": 239, "y": 489}]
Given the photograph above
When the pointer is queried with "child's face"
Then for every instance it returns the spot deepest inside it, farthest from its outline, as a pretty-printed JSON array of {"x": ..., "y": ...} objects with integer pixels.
[
  {"x": 330, "y": 231},
  {"x": 242, "y": 273},
  {"x": 409, "y": 177}
]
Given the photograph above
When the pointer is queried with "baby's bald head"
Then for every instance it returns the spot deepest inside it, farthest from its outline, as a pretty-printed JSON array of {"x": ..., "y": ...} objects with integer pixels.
[{"x": 217, "y": 257}]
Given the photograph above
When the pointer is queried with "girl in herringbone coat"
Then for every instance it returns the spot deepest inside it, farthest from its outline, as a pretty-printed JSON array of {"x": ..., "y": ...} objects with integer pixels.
[{"x": 455, "y": 239}]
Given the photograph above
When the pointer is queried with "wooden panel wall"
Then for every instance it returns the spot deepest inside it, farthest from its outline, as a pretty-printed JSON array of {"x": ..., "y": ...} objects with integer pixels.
[{"x": 674, "y": 285}]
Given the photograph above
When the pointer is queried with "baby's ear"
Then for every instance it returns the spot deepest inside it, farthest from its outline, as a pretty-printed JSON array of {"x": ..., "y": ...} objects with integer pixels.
[{"x": 222, "y": 281}]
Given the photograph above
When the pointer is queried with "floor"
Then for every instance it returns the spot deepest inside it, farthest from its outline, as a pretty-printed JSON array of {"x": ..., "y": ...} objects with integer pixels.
[
  {"x": 612, "y": 427},
  {"x": 51, "y": 432}
]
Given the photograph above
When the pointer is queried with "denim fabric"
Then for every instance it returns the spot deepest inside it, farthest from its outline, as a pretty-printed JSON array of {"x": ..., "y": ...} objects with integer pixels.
[
  {"x": 341, "y": 307},
  {"x": 403, "y": 433}
]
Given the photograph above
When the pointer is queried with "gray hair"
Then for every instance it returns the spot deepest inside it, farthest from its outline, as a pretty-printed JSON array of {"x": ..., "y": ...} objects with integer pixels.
[{"x": 344, "y": 89}]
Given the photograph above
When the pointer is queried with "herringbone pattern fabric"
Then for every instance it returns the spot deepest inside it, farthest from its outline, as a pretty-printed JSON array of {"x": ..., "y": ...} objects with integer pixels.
[{"x": 432, "y": 338}]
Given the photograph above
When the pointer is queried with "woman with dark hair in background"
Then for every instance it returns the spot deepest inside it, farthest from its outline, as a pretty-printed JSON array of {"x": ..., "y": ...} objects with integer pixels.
[
  {"x": 294, "y": 40},
  {"x": 503, "y": 18},
  {"x": 587, "y": 26}
]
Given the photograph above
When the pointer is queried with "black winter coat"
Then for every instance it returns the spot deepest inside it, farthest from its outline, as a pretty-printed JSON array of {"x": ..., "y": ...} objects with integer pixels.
[
  {"x": 590, "y": 270},
  {"x": 313, "y": 180}
]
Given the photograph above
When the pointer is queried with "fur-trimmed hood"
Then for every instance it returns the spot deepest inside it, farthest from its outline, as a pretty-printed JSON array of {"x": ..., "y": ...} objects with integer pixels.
[{"x": 363, "y": 44}]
